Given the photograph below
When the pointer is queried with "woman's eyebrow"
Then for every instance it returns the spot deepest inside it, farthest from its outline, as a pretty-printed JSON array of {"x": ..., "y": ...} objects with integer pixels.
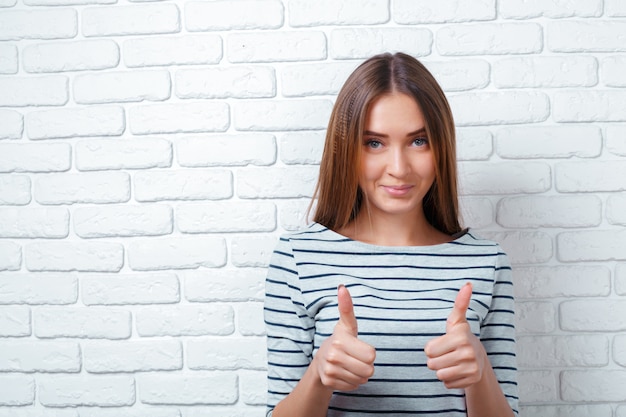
[{"x": 383, "y": 135}]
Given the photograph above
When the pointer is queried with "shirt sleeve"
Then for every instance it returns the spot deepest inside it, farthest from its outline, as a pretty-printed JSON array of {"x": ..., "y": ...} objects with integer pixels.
[
  {"x": 498, "y": 331},
  {"x": 290, "y": 330}
]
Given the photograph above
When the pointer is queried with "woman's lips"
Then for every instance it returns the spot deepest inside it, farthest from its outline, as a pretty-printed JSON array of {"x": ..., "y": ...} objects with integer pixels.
[{"x": 397, "y": 190}]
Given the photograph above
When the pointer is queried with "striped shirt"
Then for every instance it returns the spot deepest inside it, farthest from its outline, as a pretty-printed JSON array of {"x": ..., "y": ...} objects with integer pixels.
[{"x": 402, "y": 297}]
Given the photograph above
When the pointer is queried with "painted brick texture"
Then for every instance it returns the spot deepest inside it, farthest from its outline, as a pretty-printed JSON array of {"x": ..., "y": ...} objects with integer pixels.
[{"x": 152, "y": 153}]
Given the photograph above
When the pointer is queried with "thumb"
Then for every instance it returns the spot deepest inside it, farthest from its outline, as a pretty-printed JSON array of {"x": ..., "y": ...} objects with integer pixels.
[
  {"x": 457, "y": 315},
  {"x": 346, "y": 311}
]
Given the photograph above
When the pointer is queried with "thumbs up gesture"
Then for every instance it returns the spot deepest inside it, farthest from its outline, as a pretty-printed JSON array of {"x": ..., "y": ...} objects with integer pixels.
[
  {"x": 343, "y": 362},
  {"x": 458, "y": 357}
]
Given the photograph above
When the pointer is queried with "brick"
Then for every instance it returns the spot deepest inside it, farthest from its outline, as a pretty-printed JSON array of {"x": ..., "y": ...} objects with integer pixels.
[
  {"x": 592, "y": 245},
  {"x": 577, "y": 176},
  {"x": 225, "y": 285},
  {"x": 179, "y": 117},
  {"x": 78, "y": 121},
  {"x": 82, "y": 322},
  {"x": 365, "y": 42},
  {"x": 50, "y": 90},
  {"x": 591, "y": 315},
  {"x": 292, "y": 182},
  {"x": 596, "y": 35},
  {"x": 561, "y": 281},
  {"x": 74, "y": 256},
  {"x": 212, "y": 319},
  {"x": 123, "y": 220},
  {"x": 45, "y": 288},
  {"x": 227, "y": 150},
  {"x": 525, "y": 9},
  {"x": 615, "y": 140},
  {"x": 410, "y": 12},
  {"x": 65, "y": 2},
  {"x": 473, "y": 144},
  {"x": 86, "y": 187},
  {"x": 17, "y": 390},
  {"x": 8, "y": 59},
  {"x": 460, "y": 74},
  {"x": 130, "y": 20},
  {"x": 228, "y": 15},
  {"x": 14, "y": 321},
  {"x": 593, "y": 385},
  {"x": 615, "y": 8},
  {"x": 524, "y": 247},
  {"x": 620, "y": 279},
  {"x": 567, "y": 410},
  {"x": 253, "y": 387},
  {"x": 34, "y": 222},
  {"x": 210, "y": 388},
  {"x": 134, "y": 411},
  {"x": 476, "y": 212},
  {"x": 11, "y": 124},
  {"x": 71, "y": 56},
  {"x": 35, "y": 412},
  {"x": 38, "y": 24},
  {"x": 276, "y": 46},
  {"x": 494, "y": 108},
  {"x": 478, "y": 178},
  {"x": 220, "y": 217},
  {"x": 199, "y": 411},
  {"x": 130, "y": 289},
  {"x": 490, "y": 39},
  {"x": 250, "y": 319},
  {"x": 39, "y": 356},
  {"x": 122, "y": 86},
  {"x": 282, "y": 115},
  {"x": 14, "y": 190},
  {"x": 252, "y": 251},
  {"x": 537, "y": 386},
  {"x": 226, "y": 354},
  {"x": 136, "y": 153},
  {"x": 172, "y": 50},
  {"x": 619, "y": 349},
  {"x": 177, "y": 253},
  {"x": 302, "y": 80},
  {"x": 545, "y": 72},
  {"x": 533, "y": 317},
  {"x": 133, "y": 356},
  {"x": 548, "y": 351},
  {"x": 616, "y": 209},
  {"x": 292, "y": 214},
  {"x": 589, "y": 106},
  {"x": 196, "y": 184},
  {"x": 225, "y": 82},
  {"x": 303, "y": 13},
  {"x": 549, "y": 211},
  {"x": 10, "y": 256},
  {"x": 88, "y": 391},
  {"x": 621, "y": 410},
  {"x": 35, "y": 157},
  {"x": 612, "y": 69},
  {"x": 549, "y": 142},
  {"x": 8, "y": 3},
  {"x": 302, "y": 147}
]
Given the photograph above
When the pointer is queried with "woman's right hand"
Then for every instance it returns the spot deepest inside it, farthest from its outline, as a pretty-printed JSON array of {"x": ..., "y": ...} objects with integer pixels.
[{"x": 344, "y": 362}]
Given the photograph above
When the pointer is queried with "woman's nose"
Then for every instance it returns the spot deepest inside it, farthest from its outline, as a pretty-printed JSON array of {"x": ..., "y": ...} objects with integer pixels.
[{"x": 398, "y": 165}]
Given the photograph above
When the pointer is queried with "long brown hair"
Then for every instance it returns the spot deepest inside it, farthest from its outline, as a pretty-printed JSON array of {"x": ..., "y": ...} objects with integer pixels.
[{"x": 338, "y": 194}]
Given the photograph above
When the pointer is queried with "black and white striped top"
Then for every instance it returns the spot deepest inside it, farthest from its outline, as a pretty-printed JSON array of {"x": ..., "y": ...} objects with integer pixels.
[{"x": 402, "y": 297}]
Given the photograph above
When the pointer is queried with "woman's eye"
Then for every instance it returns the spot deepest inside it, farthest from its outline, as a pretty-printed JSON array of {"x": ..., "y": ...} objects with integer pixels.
[
  {"x": 374, "y": 144},
  {"x": 420, "y": 142}
]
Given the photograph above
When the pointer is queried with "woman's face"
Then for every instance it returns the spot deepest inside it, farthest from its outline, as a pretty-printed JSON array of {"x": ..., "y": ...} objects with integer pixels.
[{"x": 397, "y": 166}]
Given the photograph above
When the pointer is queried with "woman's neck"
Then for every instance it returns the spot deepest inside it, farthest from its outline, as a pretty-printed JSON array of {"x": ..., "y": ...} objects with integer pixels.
[{"x": 393, "y": 230}]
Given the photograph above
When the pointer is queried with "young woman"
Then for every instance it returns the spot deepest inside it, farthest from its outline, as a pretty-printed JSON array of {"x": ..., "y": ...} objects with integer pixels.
[{"x": 385, "y": 306}]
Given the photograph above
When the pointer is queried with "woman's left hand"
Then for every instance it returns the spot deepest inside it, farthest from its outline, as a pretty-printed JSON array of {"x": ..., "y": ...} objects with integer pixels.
[{"x": 458, "y": 357}]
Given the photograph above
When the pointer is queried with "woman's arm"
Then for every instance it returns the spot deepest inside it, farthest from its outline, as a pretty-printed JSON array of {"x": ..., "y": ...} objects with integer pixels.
[
  {"x": 342, "y": 363},
  {"x": 460, "y": 360}
]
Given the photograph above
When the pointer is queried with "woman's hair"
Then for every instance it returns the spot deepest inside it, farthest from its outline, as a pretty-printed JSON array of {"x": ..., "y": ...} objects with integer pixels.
[{"x": 339, "y": 197}]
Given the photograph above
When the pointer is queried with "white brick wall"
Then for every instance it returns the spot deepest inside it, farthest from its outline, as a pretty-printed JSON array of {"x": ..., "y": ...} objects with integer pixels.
[{"x": 151, "y": 154}]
